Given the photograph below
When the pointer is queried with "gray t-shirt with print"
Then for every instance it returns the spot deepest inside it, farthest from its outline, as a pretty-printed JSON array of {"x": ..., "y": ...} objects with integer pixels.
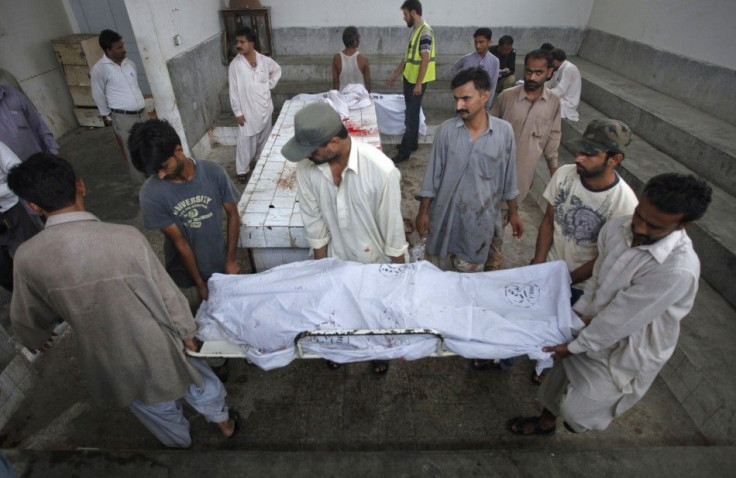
[{"x": 196, "y": 208}]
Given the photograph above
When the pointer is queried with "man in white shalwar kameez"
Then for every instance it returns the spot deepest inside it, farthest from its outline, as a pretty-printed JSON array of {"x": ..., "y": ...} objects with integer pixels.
[
  {"x": 252, "y": 76},
  {"x": 644, "y": 282}
]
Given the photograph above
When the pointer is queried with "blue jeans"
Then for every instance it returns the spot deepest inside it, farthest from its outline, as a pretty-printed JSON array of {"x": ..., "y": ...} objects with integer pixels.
[{"x": 413, "y": 104}]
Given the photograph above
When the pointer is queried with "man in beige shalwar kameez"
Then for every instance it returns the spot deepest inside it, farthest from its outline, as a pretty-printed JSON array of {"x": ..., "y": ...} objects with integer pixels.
[{"x": 132, "y": 322}]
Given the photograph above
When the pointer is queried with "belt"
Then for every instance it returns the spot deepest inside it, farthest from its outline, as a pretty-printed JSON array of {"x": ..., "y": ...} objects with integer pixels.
[{"x": 124, "y": 112}]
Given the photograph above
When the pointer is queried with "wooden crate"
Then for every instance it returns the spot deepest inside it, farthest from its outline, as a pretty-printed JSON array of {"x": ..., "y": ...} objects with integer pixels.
[{"x": 78, "y": 49}]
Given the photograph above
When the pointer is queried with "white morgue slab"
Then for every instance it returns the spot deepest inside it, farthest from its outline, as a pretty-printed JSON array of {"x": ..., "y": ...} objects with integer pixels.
[{"x": 271, "y": 223}]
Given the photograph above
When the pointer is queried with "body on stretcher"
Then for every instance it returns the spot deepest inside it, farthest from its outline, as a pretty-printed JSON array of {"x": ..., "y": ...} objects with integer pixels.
[
  {"x": 349, "y": 312},
  {"x": 227, "y": 349}
]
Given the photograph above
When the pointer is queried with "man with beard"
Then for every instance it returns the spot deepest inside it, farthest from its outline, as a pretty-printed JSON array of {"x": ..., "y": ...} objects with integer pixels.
[
  {"x": 471, "y": 170},
  {"x": 581, "y": 198},
  {"x": 349, "y": 194},
  {"x": 644, "y": 282},
  {"x": 252, "y": 76},
  {"x": 480, "y": 57},
  {"x": 184, "y": 198},
  {"x": 534, "y": 114},
  {"x": 417, "y": 69},
  {"x": 566, "y": 84},
  {"x": 115, "y": 90}
]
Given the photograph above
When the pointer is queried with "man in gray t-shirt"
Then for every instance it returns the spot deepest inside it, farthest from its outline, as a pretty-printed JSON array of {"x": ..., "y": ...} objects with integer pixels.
[{"x": 184, "y": 198}]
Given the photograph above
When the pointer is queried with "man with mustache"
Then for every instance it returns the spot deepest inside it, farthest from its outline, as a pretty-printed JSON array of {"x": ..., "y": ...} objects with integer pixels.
[
  {"x": 581, "y": 198},
  {"x": 115, "y": 90},
  {"x": 644, "y": 282},
  {"x": 534, "y": 114},
  {"x": 252, "y": 76},
  {"x": 471, "y": 170},
  {"x": 417, "y": 69},
  {"x": 184, "y": 198}
]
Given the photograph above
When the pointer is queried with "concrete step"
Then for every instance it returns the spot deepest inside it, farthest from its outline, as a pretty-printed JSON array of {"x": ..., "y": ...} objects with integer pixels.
[
  {"x": 701, "y": 142},
  {"x": 549, "y": 462},
  {"x": 714, "y": 236}
]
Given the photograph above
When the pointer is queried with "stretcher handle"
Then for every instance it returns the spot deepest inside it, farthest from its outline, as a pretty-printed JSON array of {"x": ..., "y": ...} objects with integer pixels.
[{"x": 368, "y": 332}]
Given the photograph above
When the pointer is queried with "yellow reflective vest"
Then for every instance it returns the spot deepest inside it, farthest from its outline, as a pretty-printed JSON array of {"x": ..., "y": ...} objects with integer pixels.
[{"x": 412, "y": 58}]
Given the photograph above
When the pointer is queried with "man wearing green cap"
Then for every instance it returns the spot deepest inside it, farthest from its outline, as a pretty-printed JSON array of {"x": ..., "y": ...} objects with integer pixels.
[
  {"x": 349, "y": 192},
  {"x": 581, "y": 198}
]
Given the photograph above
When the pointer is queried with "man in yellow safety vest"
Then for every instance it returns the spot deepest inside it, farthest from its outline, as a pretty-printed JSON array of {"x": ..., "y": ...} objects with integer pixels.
[{"x": 418, "y": 69}]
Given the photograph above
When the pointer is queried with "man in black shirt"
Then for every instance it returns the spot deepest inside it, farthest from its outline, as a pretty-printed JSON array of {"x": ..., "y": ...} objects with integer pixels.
[{"x": 506, "y": 55}]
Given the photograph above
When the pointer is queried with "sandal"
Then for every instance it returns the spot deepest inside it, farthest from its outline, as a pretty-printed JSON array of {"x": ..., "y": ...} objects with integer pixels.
[
  {"x": 333, "y": 365},
  {"x": 517, "y": 425},
  {"x": 380, "y": 367},
  {"x": 538, "y": 379},
  {"x": 242, "y": 178},
  {"x": 480, "y": 364},
  {"x": 235, "y": 417}
]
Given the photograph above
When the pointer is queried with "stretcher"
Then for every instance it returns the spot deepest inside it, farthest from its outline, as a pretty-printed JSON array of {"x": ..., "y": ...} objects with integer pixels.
[{"x": 349, "y": 312}]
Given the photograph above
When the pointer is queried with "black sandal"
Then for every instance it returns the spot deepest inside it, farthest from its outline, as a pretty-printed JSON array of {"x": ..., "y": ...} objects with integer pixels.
[
  {"x": 333, "y": 365},
  {"x": 380, "y": 367},
  {"x": 516, "y": 426},
  {"x": 480, "y": 364}
]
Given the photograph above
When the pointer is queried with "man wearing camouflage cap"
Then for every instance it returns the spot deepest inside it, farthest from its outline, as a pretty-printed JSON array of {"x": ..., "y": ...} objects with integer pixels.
[
  {"x": 349, "y": 193},
  {"x": 581, "y": 197}
]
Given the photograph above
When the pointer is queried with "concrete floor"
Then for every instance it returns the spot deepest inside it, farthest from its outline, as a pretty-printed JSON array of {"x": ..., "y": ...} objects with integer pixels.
[{"x": 429, "y": 404}]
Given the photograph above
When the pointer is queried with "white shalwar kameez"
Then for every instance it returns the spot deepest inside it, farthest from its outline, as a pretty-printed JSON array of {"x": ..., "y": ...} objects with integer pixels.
[
  {"x": 250, "y": 96},
  {"x": 636, "y": 298}
]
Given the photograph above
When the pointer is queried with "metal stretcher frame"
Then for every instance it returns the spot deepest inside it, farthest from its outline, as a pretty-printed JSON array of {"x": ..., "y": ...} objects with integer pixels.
[{"x": 226, "y": 349}]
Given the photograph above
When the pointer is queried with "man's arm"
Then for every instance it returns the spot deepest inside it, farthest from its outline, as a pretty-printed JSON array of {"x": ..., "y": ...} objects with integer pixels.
[
  {"x": 274, "y": 74},
  {"x": 38, "y": 126},
  {"x": 336, "y": 65},
  {"x": 552, "y": 145},
  {"x": 235, "y": 95},
  {"x": 457, "y": 66},
  {"x": 233, "y": 232},
  {"x": 545, "y": 236},
  {"x": 395, "y": 75},
  {"x": 583, "y": 272},
  {"x": 389, "y": 219},
  {"x": 97, "y": 83},
  {"x": 422, "y": 220},
  {"x": 422, "y": 71},
  {"x": 315, "y": 228},
  {"x": 188, "y": 259},
  {"x": 366, "y": 70},
  {"x": 32, "y": 318},
  {"x": 515, "y": 219}
]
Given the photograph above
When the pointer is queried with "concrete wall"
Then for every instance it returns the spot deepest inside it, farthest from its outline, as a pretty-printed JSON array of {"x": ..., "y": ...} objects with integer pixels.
[
  {"x": 156, "y": 23},
  {"x": 386, "y": 13},
  {"x": 197, "y": 77},
  {"x": 702, "y": 30},
  {"x": 26, "y": 29}
]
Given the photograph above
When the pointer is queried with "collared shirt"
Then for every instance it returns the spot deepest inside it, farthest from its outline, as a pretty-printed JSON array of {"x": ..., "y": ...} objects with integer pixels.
[
  {"x": 250, "y": 91},
  {"x": 116, "y": 86},
  {"x": 537, "y": 130},
  {"x": 580, "y": 213},
  {"x": 636, "y": 297},
  {"x": 566, "y": 84},
  {"x": 467, "y": 180},
  {"x": 21, "y": 127},
  {"x": 488, "y": 62},
  {"x": 107, "y": 283},
  {"x": 8, "y": 159},
  {"x": 361, "y": 219}
]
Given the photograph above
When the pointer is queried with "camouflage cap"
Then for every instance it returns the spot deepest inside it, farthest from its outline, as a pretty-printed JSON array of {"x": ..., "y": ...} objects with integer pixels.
[{"x": 603, "y": 135}]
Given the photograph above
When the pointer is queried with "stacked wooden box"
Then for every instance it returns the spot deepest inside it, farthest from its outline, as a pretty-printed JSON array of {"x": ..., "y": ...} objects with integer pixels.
[{"x": 77, "y": 54}]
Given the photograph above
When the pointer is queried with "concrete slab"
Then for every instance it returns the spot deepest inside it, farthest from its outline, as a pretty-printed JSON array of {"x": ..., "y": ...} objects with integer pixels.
[{"x": 701, "y": 142}]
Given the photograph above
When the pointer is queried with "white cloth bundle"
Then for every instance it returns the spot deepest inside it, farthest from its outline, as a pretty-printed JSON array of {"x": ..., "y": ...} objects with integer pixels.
[
  {"x": 482, "y": 315},
  {"x": 390, "y": 114}
]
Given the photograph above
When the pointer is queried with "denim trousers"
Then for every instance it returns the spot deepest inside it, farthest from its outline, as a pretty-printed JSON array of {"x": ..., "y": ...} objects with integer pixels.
[{"x": 411, "y": 118}]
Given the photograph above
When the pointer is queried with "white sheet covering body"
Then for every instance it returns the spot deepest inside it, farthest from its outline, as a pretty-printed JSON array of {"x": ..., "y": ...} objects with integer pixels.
[{"x": 484, "y": 315}]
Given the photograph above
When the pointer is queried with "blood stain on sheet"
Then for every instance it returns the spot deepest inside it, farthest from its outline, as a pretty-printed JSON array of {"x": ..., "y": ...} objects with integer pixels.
[{"x": 358, "y": 130}]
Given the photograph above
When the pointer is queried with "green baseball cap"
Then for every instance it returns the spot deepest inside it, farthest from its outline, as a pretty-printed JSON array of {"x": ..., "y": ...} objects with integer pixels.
[
  {"x": 314, "y": 125},
  {"x": 603, "y": 135}
]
